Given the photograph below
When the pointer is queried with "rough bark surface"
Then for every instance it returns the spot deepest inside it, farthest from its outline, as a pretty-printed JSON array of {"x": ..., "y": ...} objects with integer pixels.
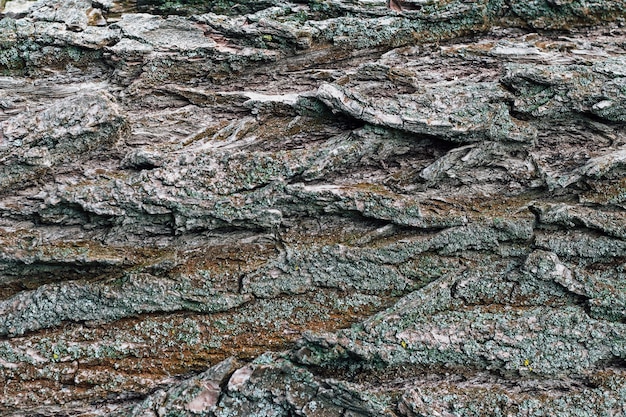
[{"x": 313, "y": 208}]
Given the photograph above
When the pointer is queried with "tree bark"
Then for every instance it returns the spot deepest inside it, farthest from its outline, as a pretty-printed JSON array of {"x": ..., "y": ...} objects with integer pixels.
[{"x": 313, "y": 208}]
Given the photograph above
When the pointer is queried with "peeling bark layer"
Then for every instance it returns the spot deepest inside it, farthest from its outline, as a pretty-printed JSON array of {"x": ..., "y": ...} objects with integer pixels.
[{"x": 313, "y": 208}]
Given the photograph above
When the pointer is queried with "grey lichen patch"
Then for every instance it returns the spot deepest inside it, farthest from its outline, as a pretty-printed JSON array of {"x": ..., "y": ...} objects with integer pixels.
[
  {"x": 553, "y": 91},
  {"x": 195, "y": 6},
  {"x": 498, "y": 399},
  {"x": 553, "y": 14},
  {"x": 73, "y": 13},
  {"x": 602, "y": 287},
  {"x": 458, "y": 114},
  {"x": 326, "y": 267},
  {"x": 497, "y": 341},
  {"x": 172, "y": 33},
  {"x": 611, "y": 222},
  {"x": 35, "y": 141},
  {"x": 586, "y": 247},
  {"x": 106, "y": 301},
  {"x": 196, "y": 395}
]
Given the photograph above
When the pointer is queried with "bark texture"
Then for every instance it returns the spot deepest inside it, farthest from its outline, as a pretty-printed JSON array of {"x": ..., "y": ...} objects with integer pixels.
[{"x": 313, "y": 208}]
